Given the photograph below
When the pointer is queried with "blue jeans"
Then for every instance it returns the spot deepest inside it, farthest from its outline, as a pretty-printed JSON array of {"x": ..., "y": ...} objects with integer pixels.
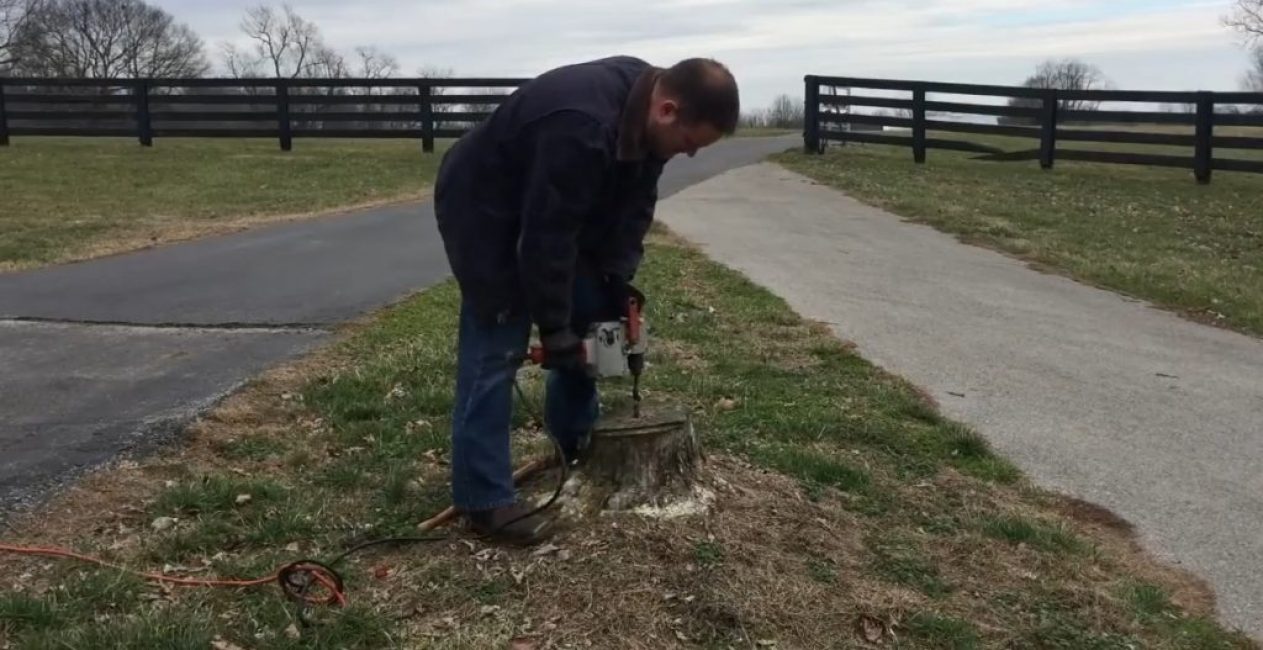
[{"x": 487, "y": 361}]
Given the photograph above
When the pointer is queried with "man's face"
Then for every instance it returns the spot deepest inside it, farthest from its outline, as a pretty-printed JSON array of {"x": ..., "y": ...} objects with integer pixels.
[{"x": 669, "y": 135}]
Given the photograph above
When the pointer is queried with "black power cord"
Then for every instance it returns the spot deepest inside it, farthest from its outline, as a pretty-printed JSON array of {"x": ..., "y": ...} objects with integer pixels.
[{"x": 296, "y": 578}]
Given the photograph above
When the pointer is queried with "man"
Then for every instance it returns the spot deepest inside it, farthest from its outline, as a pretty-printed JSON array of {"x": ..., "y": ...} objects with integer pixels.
[{"x": 543, "y": 208}]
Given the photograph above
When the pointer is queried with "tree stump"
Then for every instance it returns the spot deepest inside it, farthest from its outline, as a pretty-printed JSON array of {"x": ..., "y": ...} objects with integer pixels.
[{"x": 652, "y": 461}]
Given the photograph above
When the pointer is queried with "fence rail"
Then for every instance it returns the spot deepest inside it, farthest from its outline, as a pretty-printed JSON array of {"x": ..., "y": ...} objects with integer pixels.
[
  {"x": 1046, "y": 115},
  {"x": 284, "y": 109}
]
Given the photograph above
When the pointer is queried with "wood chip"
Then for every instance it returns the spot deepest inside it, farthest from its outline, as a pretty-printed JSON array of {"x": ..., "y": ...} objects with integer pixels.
[
  {"x": 546, "y": 549},
  {"x": 871, "y": 628},
  {"x": 218, "y": 643}
]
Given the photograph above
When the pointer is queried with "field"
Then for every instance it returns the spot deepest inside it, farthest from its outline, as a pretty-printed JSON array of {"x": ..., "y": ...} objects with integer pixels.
[
  {"x": 849, "y": 513},
  {"x": 1148, "y": 232},
  {"x": 1021, "y": 144}
]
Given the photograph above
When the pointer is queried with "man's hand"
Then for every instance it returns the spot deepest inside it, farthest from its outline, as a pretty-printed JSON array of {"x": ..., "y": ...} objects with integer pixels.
[
  {"x": 617, "y": 293},
  {"x": 562, "y": 351}
]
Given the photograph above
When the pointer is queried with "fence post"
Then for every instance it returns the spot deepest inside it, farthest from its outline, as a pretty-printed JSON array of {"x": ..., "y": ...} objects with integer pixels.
[
  {"x": 1203, "y": 155},
  {"x": 4, "y": 120},
  {"x": 1048, "y": 129},
  {"x": 918, "y": 125},
  {"x": 811, "y": 117},
  {"x": 144, "y": 126},
  {"x": 427, "y": 119},
  {"x": 283, "y": 127}
]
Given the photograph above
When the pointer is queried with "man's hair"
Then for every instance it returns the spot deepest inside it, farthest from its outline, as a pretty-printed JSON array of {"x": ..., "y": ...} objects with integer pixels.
[{"x": 706, "y": 92}]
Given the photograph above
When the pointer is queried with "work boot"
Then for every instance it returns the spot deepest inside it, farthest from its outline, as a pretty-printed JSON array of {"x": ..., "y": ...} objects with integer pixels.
[{"x": 510, "y": 524}]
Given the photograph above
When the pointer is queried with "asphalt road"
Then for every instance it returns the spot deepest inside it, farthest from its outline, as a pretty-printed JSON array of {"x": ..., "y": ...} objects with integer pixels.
[
  {"x": 112, "y": 356},
  {"x": 1092, "y": 394}
]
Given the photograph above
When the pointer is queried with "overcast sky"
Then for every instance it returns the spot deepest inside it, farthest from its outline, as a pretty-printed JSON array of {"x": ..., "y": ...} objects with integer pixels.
[{"x": 771, "y": 44}]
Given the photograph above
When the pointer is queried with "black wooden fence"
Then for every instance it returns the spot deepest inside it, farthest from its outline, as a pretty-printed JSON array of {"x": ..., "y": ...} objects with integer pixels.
[
  {"x": 284, "y": 109},
  {"x": 1039, "y": 114}
]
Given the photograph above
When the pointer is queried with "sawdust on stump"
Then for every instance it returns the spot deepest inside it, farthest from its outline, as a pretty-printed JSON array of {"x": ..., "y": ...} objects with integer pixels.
[{"x": 649, "y": 465}]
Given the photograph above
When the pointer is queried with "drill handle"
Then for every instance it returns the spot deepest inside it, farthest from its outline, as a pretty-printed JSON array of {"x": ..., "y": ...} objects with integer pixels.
[{"x": 633, "y": 321}]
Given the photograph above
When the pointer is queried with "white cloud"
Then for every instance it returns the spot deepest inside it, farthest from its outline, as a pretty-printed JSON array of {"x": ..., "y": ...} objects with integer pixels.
[{"x": 771, "y": 44}]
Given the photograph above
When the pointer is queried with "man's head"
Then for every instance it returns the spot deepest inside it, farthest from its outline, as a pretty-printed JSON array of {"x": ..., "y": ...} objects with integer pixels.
[{"x": 693, "y": 104}]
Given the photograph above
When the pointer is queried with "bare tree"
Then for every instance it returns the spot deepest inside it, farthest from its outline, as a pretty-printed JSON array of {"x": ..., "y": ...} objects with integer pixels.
[
  {"x": 1069, "y": 74},
  {"x": 1247, "y": 18},
  {"x": 14, "y": 14},
  {"x": 282, "y": 42},
  {"x": 106, "y": 39},
  {"x": 786, "y": 112},
  {"x": 326, "y": 63},
  {"x": 375, "y": 64},
  {"x": 1253, "y": 79},
  {"x": 431, "y": 72},
  {"x": 1066, "y": 74},
  {"x": 239, "y": 63}
]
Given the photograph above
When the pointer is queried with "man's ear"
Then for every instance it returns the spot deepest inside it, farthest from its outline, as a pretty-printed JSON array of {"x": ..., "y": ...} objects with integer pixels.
[{"x": 669, "y": 109}]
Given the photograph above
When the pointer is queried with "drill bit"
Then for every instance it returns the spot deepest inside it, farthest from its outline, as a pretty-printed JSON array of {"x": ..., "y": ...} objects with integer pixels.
[
  {"x": 636, "y": 395},
  {"x": 636, "y": 363}
]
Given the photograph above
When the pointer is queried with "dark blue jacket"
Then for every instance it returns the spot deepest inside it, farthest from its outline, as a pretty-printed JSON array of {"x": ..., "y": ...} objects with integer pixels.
[{"x": 557, "y": 181}]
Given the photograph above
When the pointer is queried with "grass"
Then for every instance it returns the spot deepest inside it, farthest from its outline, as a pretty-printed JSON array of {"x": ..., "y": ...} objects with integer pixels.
[
  {"x": 71, "y": 198},
  {"x": 901, "y": 560},
  {"x": 849, "y": 495},
  {"x": 1049, "y": 537},
  {"x": 943, "y": 632},
  {"x": 1147, "y": 232},
  {"x": 763, "y": 131}
]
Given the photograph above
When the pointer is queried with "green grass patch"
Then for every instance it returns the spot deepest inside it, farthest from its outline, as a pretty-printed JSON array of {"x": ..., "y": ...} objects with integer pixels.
[
  {"x": 210, "y": 494},
  {"x": 1149, "y": 601},
  {"x": 902, "y": 561},
  {"x": 1152, "y": 607},
  {"x": 66, "y": 198},
  {"x": 1148, "y": 232},
  {"x": 822, "y": 571},
  {"x": 708, "y": 554},
  {"x": 1048, "y": 537},
  {"x": 814, "y": 468},
  {"x": 167, "y": 630},
  {"x": 252, "y": 447},
  {"x": 764, "y": 132},
  {"x": 19, "y": 612},
  {"x": 948, "y": 633}
]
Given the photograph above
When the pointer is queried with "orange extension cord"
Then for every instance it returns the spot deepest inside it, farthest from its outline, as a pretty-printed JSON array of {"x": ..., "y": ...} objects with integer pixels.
[
  {"x": 288, "y": 576},
  {"x": 295, "y": 579}
]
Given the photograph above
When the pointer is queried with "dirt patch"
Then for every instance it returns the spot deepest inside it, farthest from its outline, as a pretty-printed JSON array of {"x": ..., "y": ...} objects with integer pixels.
[{"x": 737, "y": 575}]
